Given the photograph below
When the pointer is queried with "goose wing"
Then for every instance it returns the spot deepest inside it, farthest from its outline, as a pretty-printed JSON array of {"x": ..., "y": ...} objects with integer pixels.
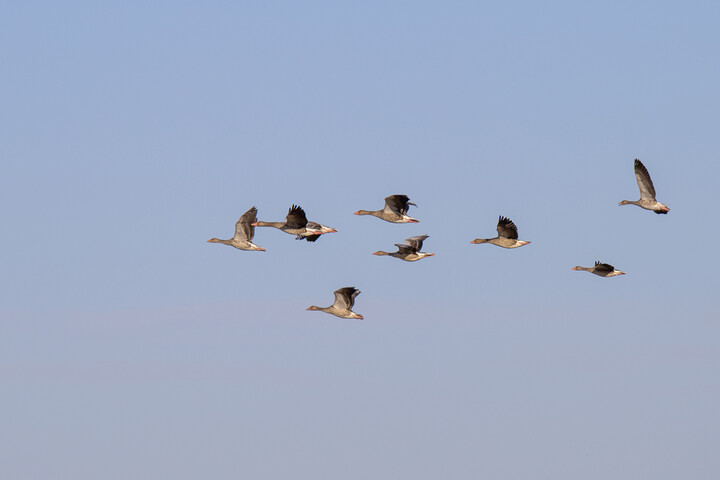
[
  {"x": 405, "y": 249},
  {"x": 416, "y": 242},
  {"x": 345, "y": 297},
  {"x": 603, "y": 267},
  {"x": 296, "y": 217},
  {"x": 647, "y": 190},
  {"x": 506, "y": 228},
  {"x": 243, "y": 227},
  {"x": 397, "y": 204}
]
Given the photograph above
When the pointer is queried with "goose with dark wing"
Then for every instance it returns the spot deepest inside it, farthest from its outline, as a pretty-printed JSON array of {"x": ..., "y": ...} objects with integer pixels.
[
  {"x": 295, "y": 223},
  {"x": 344, "y": 301},
  {"x": 410, "y": 250},
  {"x": 244, "y": 233},
  {"x": 647, "y": 191},
  {"x": 507, "y": 235},
  {"x": 395, "y": 210},
  {"x": 601, "y": 269}
]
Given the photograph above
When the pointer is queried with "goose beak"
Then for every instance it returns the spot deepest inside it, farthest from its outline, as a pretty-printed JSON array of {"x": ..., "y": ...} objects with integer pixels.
[
  {"x": 357, "y": 213},
  {"x": 254, "y": 224}
]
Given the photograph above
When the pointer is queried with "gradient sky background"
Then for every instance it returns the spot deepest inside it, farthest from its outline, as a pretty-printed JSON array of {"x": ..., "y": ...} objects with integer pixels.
[{"x": 131, "y": 133}]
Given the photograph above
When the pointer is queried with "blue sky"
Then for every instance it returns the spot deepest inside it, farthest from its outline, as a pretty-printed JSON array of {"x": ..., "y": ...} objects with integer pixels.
[{"x": 132, "y": 133}]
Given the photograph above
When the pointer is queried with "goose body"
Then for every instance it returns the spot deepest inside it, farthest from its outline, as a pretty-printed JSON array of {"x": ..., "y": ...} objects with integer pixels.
[
  {"x": 344, "y": 301},
  {"x": 244, "y": 233},
  {"x": 323, "y": 229},
  {"x": 395, "y": 210},
  {"x": 507, "y": 235},
  {"x": 647, "y": 191},
  {"x": 410, "y": 250},
  {"x": 295, "y": 223},
  {"x": 601, "y": 269}
]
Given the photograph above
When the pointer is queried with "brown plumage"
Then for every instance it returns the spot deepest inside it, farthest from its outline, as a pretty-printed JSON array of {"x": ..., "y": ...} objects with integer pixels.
[
  {"x": 344, "y": 301},
  {"x": 410, "y": 250},
  {"x": 647, "y": 191},
  {"x": 323, "y": 229},
  {"x": 601, "y": 269},
  {"x": 244, "y": 233},
  {"x": 507, "y": 235},
  {"x": 395, "y": 210},
  {"x": 295, "y": 223}
]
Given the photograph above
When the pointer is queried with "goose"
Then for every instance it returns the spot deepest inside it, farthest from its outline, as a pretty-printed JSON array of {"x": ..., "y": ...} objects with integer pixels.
[
  {"x": 601, "y": 269},
  {"x": 344, "y": 301},
  {"x": 507, "y": 235},
  {"x": 295, "y": 224},
  {"x": 647, "y": 191},
  {"x": 395, "y": 210},
  {"x": 410, "y": 251},
  {"x": 244, "y": 233}
]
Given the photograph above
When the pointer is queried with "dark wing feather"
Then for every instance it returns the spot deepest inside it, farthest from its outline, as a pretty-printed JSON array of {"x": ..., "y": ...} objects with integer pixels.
[
  {"x": 312, "y": 238},
  {"x": 405, "y": 249},
  {"x": 243, "y": 227},
  {"x": 296, "y": 217},
  {"x": 398, "y": 204},
  {"x": 603, "y": 267},
  {"x": 506, "y": 228},
  {"x": 647, "y": 190},
  {"x": 354, "y": 294},
  {"x": 345, "y": 297},
  {"x": 416, "y": 243}
]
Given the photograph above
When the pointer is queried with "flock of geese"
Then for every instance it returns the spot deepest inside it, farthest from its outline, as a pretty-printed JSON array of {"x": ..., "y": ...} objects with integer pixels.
[{"x": 395, "y": 211}]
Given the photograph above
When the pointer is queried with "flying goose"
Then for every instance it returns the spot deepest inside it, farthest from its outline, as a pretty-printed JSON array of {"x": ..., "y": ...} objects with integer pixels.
[
  {"x": 344, "y": 301},
  {"x": 647, "y": 191},
  {"x": 410, "y": 251},
  {"x": 507, "y": 235},
  {"x": 295, "y": 224},
  {"x": 244, "y": 233},
  {"x": 395, "y": 210},
  {"x": 601, "y": 269}
]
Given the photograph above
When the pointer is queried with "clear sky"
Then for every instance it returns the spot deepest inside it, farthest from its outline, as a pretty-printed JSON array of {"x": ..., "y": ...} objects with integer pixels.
[{"x": 130, "y": 133}]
